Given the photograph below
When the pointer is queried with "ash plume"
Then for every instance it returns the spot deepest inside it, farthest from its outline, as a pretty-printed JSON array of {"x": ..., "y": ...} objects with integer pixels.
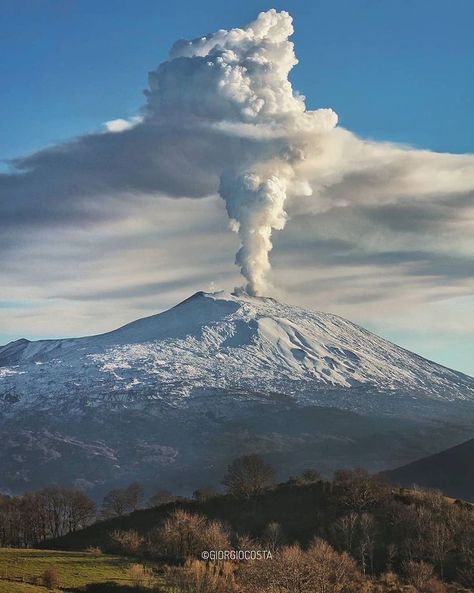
[
  {"x": 237, "y": 81},
  {"x": 221, "y": 119}
]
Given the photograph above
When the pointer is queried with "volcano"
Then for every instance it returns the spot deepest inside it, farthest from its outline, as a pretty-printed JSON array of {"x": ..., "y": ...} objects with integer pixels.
[{"x": 215, "y": 376}]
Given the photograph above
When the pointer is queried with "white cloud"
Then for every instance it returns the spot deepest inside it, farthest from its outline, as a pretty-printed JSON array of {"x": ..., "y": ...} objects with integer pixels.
[{"x": 120, "y": 125}]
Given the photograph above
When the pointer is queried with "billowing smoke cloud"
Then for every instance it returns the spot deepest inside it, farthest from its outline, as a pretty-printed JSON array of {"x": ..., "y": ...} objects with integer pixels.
[
  {"x": 238, "y": 80},
  {"x": 221, "y": 118}
]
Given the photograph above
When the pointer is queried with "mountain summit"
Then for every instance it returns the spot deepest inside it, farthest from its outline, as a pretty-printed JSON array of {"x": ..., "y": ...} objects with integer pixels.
[
  {"x": 170, "y": 399},
  {"x": 220, "y": 340}
]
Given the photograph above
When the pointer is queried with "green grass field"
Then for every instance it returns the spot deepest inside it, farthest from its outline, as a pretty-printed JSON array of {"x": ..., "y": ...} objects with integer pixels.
[
  {"x": 12, "y": 587},
  {"x": 20, "y": 568}
]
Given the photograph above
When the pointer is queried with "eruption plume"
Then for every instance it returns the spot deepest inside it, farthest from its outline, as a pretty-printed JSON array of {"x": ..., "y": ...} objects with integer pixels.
[
  {"x": 221, "y": 119},
  {"x": 237, "y": 81}
]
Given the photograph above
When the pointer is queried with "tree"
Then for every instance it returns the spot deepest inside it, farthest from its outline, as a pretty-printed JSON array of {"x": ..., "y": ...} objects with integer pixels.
[
  {"x": 80, "y": 510},
  {"x": 121, "y": 501},
  {"x": 345, "y": 529},
  {"x": 61, "y": 510},
  {"x": 114, "y": 503},
  {"x": 421, "y": 576},
  {"x": 201, "y": 577},
  {"x": 331, "y": 571},
  {"x": 294, "y": 570},
  {"x": 54, "y": 501},
  {"x": 134, "y": 494},
  {"x": 441, "y": 543},
  {"x": 367, "y": 534},
  {"x": 311, "y": 475},
  {"x": 248, "y": 475},
  {"x": 184, "y": 535},
  {"x": 204, "y": 494},
  {"x": 161, "y": 497},
  {"x": 359, "y": 490},
  {"x": 273, "y": 536}
]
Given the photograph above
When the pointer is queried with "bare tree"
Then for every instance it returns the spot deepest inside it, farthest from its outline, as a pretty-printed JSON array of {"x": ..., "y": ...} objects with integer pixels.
[
  {"x": 185, "y": 535},
  {"x": 61, "y": 510},
  {"x": 161, "y": 497},
  {"x": 273, "y": 536},
  {"x": 359, "y": 490},
  {"x": 311, "y": 475},
  {"x": 80, "y": 510},
  {"x": 345, "y": 531},
  {"x": 115, "y": 503},
  {"x": 134, "y": 494},
  {"x": 121, "y": 501},
  {"x": 294, "y": 570},
  {"x": 204, "y": 494},
  {"x": 441, "y": 541},
  {"x": 248, "y": 475},
  {"x": 367, "y": 534}
]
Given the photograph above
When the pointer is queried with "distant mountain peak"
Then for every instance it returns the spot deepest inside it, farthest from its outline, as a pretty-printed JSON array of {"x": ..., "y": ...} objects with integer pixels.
[{"x": 220, "y": 339}]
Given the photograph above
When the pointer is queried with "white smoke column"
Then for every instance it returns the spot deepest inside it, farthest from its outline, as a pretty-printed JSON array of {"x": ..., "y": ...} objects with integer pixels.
[
  {"x": 237, "y": 81},
  {"x": 256, "y": 207}
]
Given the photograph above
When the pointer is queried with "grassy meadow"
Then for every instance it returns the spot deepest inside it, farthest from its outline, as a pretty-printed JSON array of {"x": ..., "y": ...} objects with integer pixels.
[{"x": 21, "y": 570}]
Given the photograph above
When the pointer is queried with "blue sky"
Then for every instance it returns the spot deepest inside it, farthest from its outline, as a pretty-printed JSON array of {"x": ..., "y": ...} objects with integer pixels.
[
  {"x": 393, "y": 70},
  {"x": 67, "y": 66}
]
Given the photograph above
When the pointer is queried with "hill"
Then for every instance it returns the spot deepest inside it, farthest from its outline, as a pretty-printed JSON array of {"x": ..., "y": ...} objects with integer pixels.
[
  {"x": 452, "y": 471},
  {"x": 352, "y": 512}
]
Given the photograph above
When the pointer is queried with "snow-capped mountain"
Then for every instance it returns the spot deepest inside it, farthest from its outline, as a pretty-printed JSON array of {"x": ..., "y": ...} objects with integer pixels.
[
  {"x": 211, "y": 377},
  {"x": 224, "y": 341}
]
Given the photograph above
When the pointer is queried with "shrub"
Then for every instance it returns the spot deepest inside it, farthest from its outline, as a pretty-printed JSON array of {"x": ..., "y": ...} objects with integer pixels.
[
  {"x": 186, "y": 535},
  {"x": 94, "y": 551},
  {"x": 202, "y": 577},
  {"x": 294, "y": 570},
  {"x": 126, "y": 542},
  {"x": 140, "y": 576},
  {"x": 50, "y": 578},
  {"x": 421, "y": 576}
]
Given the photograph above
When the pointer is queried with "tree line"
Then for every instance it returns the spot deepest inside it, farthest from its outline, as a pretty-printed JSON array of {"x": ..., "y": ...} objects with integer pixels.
[
  {"x": 35, "y": 517},
  {"x": 394, "y": 537}
]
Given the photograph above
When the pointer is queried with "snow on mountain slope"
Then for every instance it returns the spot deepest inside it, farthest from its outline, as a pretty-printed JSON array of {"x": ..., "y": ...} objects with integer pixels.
[{"x": 219, "y": 340}]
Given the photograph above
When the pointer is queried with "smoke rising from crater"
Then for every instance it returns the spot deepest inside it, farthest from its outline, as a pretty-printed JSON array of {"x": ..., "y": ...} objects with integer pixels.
[
  {"x": 237, "y": 81},
  {"x": 221, "y": 119}
]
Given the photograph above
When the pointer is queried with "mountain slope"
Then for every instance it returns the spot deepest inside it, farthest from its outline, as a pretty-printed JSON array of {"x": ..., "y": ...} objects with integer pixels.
[
  {"x": 214, "y": 377},
  {"x": 220, "y": 340},
  {"x": 452, "y": 471}
]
